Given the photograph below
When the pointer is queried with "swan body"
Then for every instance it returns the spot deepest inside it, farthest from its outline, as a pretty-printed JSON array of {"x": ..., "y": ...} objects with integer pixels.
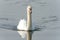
[
  {"x": 25, "y": 25},
  {"x": 22, "y": 26}
]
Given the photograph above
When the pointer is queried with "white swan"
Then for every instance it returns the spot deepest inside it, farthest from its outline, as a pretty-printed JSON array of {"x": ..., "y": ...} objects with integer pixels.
[{"x": 25, "y": 25}]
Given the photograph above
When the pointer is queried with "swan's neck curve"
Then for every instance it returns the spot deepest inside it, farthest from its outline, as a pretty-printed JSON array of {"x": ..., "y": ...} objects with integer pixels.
[{"x": 29, "y": 17}]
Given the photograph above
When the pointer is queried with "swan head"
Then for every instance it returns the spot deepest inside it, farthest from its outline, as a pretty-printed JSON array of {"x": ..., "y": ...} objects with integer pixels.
[{"x": 29, "y": 9}]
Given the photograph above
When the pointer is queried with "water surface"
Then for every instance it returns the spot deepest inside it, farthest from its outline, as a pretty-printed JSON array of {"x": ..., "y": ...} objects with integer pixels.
[{"x": 45, "y": 15}]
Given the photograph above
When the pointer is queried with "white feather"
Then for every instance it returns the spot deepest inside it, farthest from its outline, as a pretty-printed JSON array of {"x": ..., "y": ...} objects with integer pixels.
[{"x": 22, "y": 26}]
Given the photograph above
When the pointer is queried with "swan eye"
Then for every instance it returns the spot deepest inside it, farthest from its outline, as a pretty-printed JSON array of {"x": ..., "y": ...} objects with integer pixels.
[{"x": 30, "y": 8}]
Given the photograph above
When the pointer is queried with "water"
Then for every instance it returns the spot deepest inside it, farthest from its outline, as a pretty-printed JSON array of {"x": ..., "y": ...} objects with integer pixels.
[{"x": 45, "y": 15}]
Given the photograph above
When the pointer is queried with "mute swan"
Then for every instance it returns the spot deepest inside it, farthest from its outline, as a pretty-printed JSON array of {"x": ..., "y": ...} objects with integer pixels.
[{"x": 25, "y": 25}]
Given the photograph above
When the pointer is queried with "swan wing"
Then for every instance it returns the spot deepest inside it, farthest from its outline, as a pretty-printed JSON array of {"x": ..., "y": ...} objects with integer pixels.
[{"x": 22, "y": 26}]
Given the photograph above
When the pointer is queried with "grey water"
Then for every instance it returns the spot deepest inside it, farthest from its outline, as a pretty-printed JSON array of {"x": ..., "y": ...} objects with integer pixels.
[{"x": 45, "y": 15}]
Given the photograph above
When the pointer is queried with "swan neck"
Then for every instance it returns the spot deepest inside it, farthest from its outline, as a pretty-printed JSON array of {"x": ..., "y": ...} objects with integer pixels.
[{"x": 29, "y": 18}]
